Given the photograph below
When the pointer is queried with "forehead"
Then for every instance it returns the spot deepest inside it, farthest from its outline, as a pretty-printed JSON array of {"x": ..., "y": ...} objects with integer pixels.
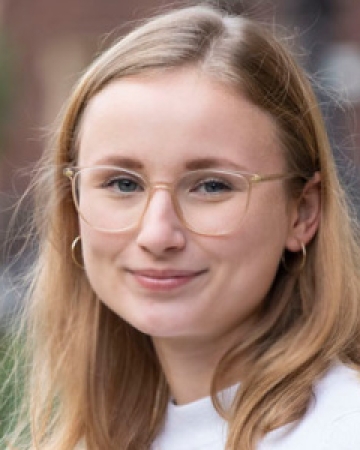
[{"x": 167, "y": 119}]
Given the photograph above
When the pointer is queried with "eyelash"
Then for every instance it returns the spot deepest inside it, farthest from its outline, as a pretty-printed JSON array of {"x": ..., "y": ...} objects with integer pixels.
[
  {"x": 220, "y": 183},
  {"x": 113, "y": 181}
]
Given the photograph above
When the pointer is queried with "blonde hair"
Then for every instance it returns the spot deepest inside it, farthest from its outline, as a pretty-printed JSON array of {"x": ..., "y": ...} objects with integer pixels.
[{"x": 95, "y": 378}]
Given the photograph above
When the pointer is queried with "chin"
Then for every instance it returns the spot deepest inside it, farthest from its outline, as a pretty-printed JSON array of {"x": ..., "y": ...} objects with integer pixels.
[{"x": 162, "y": 328}]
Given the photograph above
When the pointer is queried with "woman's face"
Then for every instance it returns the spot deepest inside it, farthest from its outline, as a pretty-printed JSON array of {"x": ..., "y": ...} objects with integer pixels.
[{"x": 162, "y": 278}]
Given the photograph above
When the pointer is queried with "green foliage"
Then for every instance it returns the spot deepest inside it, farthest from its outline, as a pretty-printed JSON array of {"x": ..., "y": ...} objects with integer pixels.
[{"x": 10, "y": 387}]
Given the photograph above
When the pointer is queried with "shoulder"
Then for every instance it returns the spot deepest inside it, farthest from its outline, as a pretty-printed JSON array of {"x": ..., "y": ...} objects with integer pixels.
[
  {"x": 338, "y": 392},
  {"x": 337, "y": 401},
  {"x": 332, "y": 421}
]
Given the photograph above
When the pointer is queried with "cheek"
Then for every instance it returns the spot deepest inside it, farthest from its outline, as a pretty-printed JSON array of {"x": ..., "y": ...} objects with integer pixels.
[
  {"x": 100, "y": 258},
  {"x": 251, "y": 256},
  {"x": 262, "y": 233},
  {"x": 100, "y": 249}
]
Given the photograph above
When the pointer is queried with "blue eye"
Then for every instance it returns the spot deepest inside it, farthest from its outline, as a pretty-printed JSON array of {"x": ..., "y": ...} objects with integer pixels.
[
  {"x": 124, "y": 185},
  {"x": 212, "y": 187},
  {"x": 216, "y": 186}
]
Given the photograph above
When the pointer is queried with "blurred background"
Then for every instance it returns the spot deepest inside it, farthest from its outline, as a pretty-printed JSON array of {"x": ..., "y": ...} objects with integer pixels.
[{"x": 45, "y": 45}]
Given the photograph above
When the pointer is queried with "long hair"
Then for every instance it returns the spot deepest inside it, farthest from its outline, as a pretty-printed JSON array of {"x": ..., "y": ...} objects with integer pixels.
[{"x": 97, "y": 380}]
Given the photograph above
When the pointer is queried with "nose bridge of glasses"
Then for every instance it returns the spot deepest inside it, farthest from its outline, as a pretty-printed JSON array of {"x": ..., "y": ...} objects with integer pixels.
[{"x": 163, "y": 186}]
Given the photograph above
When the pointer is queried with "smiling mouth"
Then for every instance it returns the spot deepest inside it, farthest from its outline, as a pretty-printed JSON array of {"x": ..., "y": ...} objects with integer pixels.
[{"x": 164, "y": 280}]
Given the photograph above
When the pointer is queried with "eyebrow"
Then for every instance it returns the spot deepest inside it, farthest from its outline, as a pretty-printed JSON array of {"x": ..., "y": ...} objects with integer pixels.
[
  {"x": 126, "y": 163},
  {"x": 212, "y": 163},
  {"x": 194, "y": 164}
]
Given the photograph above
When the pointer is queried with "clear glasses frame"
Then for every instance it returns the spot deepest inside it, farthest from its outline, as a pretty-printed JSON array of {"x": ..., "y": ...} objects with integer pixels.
[{"x": 249, "y": 179}]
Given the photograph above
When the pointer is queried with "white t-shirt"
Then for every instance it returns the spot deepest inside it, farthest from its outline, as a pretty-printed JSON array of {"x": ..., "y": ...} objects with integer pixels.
[{"x": 332, "y": 421}]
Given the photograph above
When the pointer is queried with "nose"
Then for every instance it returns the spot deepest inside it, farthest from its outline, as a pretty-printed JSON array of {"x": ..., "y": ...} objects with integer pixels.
[{"x": 161, "y": 231}]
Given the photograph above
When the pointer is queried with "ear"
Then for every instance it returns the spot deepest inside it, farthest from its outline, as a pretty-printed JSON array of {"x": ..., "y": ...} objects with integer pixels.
[{"x": 305, "y": 215}]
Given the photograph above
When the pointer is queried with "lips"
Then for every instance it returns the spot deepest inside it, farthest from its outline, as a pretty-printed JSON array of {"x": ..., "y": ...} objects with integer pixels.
[{"x": 164, "y": 280}]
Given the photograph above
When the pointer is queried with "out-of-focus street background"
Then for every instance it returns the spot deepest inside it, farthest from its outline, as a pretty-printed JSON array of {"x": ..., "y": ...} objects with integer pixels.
[{"x": 45, "y": 45}]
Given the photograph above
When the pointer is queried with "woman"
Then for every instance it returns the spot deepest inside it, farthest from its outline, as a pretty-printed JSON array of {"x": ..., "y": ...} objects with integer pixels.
[{"x": 197, "y": 285}]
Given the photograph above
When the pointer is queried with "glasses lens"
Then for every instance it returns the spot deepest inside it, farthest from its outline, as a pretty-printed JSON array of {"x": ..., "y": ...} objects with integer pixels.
[
  {"x": 213, "y": 202},
  {"x": 109, "y": 198},
  {"x": 210, "y": 202}
]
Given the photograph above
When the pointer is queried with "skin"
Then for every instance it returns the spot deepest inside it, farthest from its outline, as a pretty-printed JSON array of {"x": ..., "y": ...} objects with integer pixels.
[{"x": 161, "y": 123}]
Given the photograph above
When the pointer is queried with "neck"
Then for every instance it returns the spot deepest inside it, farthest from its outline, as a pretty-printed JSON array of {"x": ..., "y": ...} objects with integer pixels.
[{"x": 189, "y": 368}]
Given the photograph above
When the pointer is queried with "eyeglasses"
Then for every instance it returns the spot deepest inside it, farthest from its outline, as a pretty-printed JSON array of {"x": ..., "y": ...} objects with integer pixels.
[{"x": 208, "y": 202}]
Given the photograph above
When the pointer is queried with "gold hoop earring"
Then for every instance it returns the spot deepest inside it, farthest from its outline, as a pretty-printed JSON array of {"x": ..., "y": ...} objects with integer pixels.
[
  {"x": 73, "y": 251},
  {"x": 300, "y": 267}
]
